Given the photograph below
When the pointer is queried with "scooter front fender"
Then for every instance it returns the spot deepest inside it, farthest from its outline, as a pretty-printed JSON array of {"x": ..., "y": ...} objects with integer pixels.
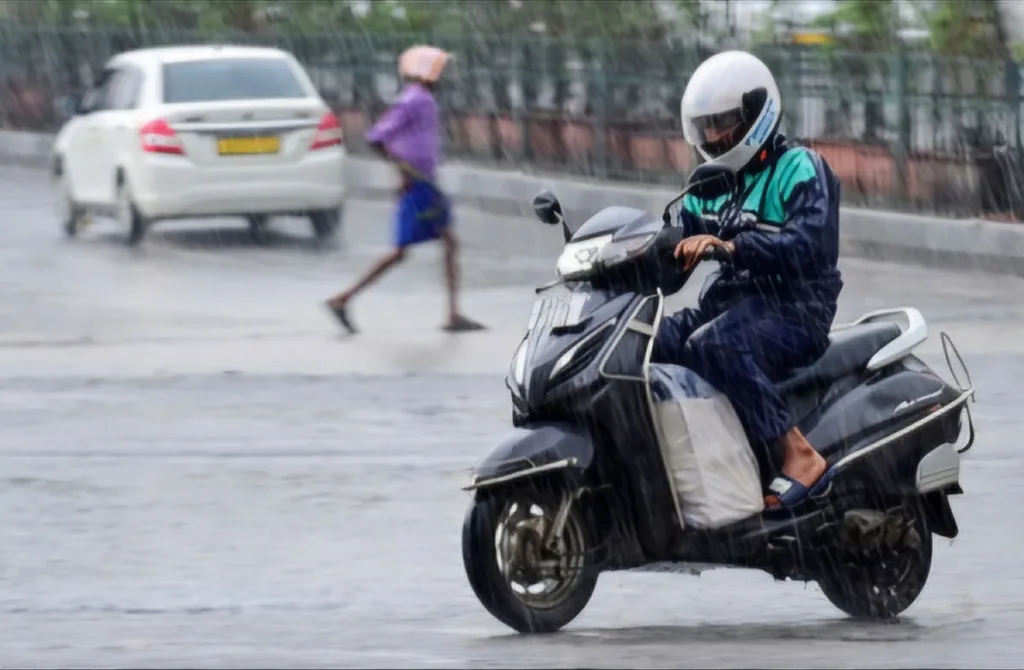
[{"x": 532, "y": 450}]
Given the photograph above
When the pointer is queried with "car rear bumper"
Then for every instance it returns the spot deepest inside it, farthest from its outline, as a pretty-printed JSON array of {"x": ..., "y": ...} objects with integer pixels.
[{"x": 172, "y": 187}]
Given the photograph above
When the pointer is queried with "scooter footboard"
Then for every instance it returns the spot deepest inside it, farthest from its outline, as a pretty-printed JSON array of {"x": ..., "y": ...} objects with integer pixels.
[{"x": 534, "y": 450}]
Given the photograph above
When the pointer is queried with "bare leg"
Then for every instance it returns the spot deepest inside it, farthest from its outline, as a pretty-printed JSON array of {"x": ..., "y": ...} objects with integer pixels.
[
  {"x": 337, "y": 304},
  {"x": 456, "y": 321},
  {"x": 451, "y": 273},
  {"x": 800, "y": 461},
  {"x": 375, "y": 273}
]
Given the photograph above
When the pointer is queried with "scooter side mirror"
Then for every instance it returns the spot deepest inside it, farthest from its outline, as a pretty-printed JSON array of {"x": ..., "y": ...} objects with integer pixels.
[
  {"x": 708, "y": 182},
  {"x": 549, "y": 211},
  {"x": 547, "y": 208}
]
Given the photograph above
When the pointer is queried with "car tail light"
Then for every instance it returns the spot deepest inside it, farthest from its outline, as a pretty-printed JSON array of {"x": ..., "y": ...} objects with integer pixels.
[
  {"x": 159, "y": 138},
  {"x": 328, "y": 132}
]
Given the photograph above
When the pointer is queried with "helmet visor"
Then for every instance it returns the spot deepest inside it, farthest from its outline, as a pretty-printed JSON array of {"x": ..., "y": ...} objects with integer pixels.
[{"x": 715, "y": 133}]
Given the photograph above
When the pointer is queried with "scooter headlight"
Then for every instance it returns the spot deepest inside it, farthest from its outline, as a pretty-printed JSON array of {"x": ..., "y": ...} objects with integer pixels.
[
  {"x": 623, "y": 250},
  {"x": 578, "y": 258}
]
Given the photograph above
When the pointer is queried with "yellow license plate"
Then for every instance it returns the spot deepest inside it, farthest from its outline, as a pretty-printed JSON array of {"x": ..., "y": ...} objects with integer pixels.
[{"x": 247, "y": 146}]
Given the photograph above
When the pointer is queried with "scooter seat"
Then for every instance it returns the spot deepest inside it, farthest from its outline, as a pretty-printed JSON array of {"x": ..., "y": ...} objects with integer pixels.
[{"x": 849, "y": 351}]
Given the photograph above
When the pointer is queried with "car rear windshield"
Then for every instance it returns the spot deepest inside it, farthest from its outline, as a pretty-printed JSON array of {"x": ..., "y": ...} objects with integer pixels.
[{"x": 223, "y": 79}]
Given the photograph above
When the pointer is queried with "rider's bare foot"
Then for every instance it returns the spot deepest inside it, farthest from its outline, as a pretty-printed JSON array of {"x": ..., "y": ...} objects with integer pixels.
[
  {"x": 807, "y": 470},
  {"x": 802, "y": 464}
]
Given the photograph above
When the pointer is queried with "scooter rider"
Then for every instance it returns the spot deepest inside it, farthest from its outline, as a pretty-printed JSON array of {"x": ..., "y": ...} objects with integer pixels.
[{"x": 770, "y": 307}]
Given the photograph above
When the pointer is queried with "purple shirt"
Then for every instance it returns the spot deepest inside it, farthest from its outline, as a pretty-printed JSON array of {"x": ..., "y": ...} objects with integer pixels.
[{"x": 410, "y": 130}]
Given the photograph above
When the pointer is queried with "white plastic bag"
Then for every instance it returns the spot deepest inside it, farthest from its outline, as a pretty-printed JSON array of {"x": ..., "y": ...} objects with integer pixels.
[{"x": 711, "y": 464}]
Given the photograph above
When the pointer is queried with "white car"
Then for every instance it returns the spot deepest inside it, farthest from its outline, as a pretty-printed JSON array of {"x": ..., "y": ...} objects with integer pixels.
[{"x": 200, "y": 131}]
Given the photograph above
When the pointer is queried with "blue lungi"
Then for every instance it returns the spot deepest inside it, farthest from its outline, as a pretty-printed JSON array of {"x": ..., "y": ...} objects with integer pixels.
[{"x": 423, "y": 213}]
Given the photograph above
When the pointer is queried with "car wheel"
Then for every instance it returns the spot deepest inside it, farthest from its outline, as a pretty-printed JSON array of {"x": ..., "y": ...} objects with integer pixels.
[
  {"x": 70, "y": 214},
  {"x": 129, "y": 217},
  {"x": 325, "y": 223},
  {"x": 259, "y": 229}
]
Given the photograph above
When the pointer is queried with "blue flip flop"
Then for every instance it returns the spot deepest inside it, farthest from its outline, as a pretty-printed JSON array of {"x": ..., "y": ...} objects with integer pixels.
[{"x": 790, "y": 493}]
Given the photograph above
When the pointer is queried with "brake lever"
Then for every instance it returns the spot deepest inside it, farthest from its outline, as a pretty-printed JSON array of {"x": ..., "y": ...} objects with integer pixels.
[
  {"x": 716, "y": 254},
  {"x": 548, "y": 286}
]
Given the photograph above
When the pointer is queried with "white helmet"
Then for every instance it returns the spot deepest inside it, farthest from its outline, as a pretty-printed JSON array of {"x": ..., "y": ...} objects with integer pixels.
[{"x": 730, "y": 109}]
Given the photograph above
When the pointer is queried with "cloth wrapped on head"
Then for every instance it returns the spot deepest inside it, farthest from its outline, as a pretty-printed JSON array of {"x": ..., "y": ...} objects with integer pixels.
[{"x": 423, "y": 63}]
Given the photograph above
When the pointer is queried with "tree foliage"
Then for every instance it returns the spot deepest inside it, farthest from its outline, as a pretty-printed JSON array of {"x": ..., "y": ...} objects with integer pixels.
[
  {"x": 864, "y": 26},
  {"x": 602, "y": 19},
  {"x": 954, "y": 27},
  {"x": 967, "y": 29}
]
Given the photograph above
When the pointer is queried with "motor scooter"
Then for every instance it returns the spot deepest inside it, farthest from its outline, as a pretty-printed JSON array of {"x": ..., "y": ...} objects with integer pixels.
[{"x": 583, "y": 484}]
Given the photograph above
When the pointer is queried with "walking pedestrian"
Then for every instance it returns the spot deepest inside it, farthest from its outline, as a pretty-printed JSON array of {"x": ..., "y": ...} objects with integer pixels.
[{"x": 409, "y": 136}]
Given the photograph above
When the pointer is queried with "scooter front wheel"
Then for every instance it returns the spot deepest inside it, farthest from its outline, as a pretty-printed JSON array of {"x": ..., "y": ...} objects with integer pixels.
[{"x": 526, "y": 580}]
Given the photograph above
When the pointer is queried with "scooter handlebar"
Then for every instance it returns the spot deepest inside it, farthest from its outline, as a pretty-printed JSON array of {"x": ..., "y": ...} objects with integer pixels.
[{"x": 716, "y": 254}]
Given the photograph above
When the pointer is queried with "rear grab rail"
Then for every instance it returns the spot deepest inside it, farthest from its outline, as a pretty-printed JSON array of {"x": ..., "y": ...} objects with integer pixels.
[
  {"x": 912, "y": 336},
  {"x": 909, "y": 339}
]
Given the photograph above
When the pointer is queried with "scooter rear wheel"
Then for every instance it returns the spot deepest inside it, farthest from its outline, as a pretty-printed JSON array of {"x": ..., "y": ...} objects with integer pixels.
[
  {"x": 881, "y": 583},
  {"x": 502, "y": 552}
]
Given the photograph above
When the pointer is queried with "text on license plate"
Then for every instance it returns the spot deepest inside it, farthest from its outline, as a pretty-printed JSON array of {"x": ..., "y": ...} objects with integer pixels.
[{"x": 248, "y": 146}]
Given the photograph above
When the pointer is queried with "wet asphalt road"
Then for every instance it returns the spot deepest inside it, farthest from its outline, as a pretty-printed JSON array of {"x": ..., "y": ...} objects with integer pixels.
[{"x": 198, "y": 471}]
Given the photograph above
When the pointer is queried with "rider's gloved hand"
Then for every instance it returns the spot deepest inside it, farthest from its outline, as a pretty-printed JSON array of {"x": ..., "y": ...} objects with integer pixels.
[{"x": 691, "y": 250}]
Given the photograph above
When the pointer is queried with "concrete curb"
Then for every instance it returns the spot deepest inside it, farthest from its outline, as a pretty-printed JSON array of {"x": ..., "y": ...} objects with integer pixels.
[{"x": 921, "y": 240}]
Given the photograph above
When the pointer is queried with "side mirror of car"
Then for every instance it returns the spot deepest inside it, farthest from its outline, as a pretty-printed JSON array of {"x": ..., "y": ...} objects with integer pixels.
[{"x": 80, "y": 105}]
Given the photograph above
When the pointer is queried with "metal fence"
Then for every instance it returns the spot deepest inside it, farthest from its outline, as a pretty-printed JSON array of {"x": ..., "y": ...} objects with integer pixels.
[{"x": 906, "y": 130}]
